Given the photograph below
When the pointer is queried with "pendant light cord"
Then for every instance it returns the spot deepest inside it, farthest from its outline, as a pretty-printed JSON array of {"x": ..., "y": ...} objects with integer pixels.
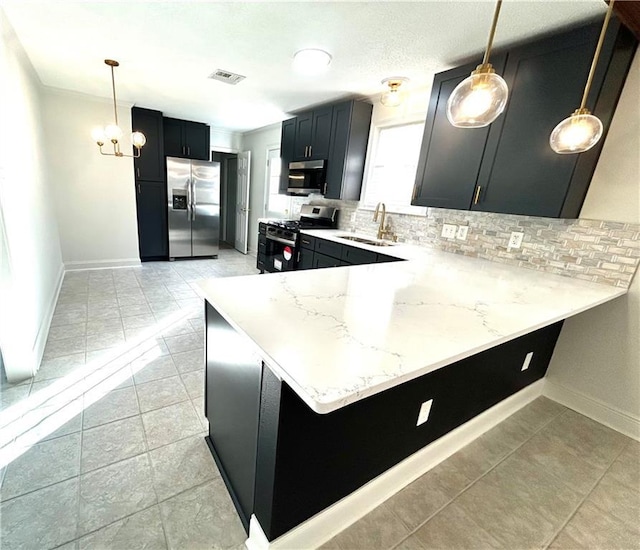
[
  {"x": 603, "y": 32},
  {"x": 113, "y": 87},
  {"x": 487, "y": 52}
]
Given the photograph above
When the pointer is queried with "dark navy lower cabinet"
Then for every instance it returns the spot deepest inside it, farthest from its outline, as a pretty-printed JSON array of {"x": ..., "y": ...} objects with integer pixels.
[{"x": 285, "y": 463}]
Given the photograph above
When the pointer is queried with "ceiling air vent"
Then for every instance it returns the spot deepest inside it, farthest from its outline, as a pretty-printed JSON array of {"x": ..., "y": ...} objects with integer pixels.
[{"x": 226, "y": 76}]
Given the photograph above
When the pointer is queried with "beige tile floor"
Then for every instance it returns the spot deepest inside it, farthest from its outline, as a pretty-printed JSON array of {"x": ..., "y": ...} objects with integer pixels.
[{"x": 104, "y": 447}]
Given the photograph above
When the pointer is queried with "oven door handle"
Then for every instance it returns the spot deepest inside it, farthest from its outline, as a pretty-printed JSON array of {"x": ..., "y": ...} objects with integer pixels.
[{"x": 280, "y": 240}]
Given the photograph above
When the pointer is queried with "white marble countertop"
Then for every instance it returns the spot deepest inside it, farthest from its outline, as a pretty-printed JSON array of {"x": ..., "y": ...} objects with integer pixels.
[{"x": 339, "y": 335}]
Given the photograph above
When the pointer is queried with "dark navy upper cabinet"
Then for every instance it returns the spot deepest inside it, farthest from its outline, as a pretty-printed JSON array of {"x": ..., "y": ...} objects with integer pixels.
[
  {"x": 509, "y": 166},
  {"x": 337, "y": 134},
  {"x": 150, "y": 165},
  {"x": 521, "y": 174},
  {"x": 302, "y": 140},
  {"x": 312, "y": 134},
  {"x": 186, "y": 139},
  {"x": 450, "y": 157},
  {"x": 287, "y": 151},
  {"x": 320, "y": 133},
  {"x": 350, "y": 126}
]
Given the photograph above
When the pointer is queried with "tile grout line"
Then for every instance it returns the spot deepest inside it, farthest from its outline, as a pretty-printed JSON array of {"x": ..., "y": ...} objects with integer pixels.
[
  {"x": 584, "y": 499},
  {"x": 149, "y": 463},
  {"x": 104, "y": 465},
  {"x": 467, "y": 487},
  {"x": 139, "y": 511}
]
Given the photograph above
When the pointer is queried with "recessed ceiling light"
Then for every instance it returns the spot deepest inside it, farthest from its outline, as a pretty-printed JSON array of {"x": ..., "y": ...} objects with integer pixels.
[{"x": 311, "y": 61}]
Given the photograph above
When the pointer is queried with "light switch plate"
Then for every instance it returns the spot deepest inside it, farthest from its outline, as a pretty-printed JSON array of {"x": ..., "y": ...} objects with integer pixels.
[
  {"x": 516, "y": 239},
  {"x": 462, "y": 232},
  {"x": 425, "y": 409},
  {"x": 527, "y": 361},
  {"x": 449, "y": 231}
]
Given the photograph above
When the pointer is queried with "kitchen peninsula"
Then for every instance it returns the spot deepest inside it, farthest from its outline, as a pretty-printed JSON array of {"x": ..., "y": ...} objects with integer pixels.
[{"x": 331, "y": 377}]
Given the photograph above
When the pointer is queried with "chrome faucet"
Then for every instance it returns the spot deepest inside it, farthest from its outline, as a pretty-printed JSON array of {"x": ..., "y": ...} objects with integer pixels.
[{"x": 381, "y": 228}]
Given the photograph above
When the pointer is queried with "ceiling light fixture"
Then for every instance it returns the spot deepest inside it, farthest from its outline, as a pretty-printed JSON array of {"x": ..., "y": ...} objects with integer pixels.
[
  {"x": 113, "y": 132},
  {"x": 581, "y": 130},
  {"x": 480, "y": 98},
  {"x": 393, "y": 97},
  {"x": 311, "y": 61}
]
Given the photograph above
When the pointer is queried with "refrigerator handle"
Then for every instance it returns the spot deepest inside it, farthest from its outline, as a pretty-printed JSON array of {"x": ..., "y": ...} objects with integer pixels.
[
  {"x": 193, "y": 199},
  {"x": 189, "y": 202}
]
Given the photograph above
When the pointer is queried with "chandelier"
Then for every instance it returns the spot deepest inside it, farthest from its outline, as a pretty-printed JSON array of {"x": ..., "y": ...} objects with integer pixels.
[{"x": 113, "y": 132}]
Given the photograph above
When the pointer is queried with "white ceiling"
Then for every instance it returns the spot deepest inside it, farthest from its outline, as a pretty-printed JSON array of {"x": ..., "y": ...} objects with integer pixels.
[{"x": 167, "y": 49}]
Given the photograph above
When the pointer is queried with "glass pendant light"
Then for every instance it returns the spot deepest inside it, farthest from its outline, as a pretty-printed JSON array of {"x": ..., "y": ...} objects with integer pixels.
[
  {"x": 582, "y": 130},
  {"x": 480, "y": 98}
]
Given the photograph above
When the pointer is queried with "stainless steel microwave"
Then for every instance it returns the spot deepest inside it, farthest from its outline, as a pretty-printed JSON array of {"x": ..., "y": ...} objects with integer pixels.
[{"x": 306, "y": 177}]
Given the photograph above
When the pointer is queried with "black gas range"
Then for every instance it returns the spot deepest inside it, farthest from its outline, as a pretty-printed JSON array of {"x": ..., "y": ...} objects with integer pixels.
[{"x": 278, "y": 240}]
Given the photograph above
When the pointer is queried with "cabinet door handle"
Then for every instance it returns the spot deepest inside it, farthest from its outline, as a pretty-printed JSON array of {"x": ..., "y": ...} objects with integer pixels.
[
  {"x": 138, "y": 189},
  {"x": 310, "y": 150},
  {"x": 138, "y": 171},
  {"x": 189, "y": 151},
  {"x": 475, "y": 199},
  {"x": 306, "y": 148},
  {"x": 324, "y": 192},
  {"x": 183, "y": 152}
]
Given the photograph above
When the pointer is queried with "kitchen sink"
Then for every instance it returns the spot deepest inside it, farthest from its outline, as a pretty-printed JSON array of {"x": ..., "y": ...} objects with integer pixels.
[{"x": 364, "y": 240}]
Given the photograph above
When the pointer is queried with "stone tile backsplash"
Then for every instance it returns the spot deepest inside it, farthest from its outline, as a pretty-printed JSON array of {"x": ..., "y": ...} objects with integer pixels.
[{"x": 592, "y": 250}]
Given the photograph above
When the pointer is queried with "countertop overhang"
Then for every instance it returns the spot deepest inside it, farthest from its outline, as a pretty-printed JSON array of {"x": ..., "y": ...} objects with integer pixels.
[{"x": 339, "y": 335}]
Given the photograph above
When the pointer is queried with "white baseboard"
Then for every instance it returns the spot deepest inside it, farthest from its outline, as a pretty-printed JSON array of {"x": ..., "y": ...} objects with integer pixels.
[
  {"x": 102, "y": 264},
  {"x": 40, "y": 340},
  {"x": 595, "y": 409},
  {"x": 326, "y": 524}
]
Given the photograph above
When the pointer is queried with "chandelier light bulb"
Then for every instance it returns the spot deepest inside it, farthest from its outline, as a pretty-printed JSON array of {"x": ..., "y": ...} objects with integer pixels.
[
  {"x": 576, "y": 134},
  {"x": 478, "y": 100},
  {"x": 113, "y": 133},
  {"x": 98, "y": 135},
  {"x": 138, "y": 140}
]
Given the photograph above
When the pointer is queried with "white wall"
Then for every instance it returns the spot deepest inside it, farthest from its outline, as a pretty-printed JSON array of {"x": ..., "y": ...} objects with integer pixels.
[
  {"x": 596, "y": 363},
  {"x": 31, "y": 264},
  {"x": 258, "y": 142},
  {"x": 94, "y": 194},
  {"x": 224, "y": 141}
]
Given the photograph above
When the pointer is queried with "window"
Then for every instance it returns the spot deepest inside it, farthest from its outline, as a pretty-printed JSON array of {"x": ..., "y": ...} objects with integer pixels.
[
  {"x": 276, "y": 205},
  {"x": 392, "y": 171}
]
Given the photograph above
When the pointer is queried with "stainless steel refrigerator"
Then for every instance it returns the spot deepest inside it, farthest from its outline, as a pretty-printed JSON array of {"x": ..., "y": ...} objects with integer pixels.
[{"x": 194, "y": 207}]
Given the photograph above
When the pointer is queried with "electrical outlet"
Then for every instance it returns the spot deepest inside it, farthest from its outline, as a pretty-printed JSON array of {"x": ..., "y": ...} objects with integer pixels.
[
  {"x": 449, "y": 231},
  {"x": 516, "y": 239},
  {"x": 353, "y": 217},
  {"x": 425, "y": 409},
  {"x": 462, "y": 232},
  {"x": 527, "y": 361}
]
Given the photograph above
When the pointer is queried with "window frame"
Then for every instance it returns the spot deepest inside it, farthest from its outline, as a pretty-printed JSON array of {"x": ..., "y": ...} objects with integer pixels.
[
  {"x": 374, "y": 140},
  {"x": 267, "y": 184}
]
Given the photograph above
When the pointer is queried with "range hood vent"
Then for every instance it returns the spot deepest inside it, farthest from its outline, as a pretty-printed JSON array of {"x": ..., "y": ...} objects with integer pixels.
[{"x": 226, "y": 76}]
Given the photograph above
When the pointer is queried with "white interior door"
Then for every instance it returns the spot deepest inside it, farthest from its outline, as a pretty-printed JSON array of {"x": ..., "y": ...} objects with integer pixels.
[{"x": 242, "y": 202}]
